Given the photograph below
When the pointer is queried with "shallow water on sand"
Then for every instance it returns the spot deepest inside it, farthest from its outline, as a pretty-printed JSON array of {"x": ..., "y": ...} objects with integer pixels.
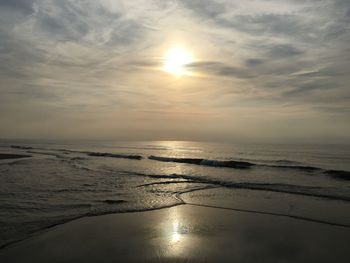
[{"x": 185, "y": 233}]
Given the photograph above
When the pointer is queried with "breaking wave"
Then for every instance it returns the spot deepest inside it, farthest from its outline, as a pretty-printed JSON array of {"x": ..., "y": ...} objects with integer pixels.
[
  {"x": 198, "y": 161},
  {"x": 338, "y": 174},
  {"x": 125, "y": 156}
]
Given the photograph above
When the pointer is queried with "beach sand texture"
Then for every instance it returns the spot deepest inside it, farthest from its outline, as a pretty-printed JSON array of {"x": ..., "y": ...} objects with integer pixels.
[{"x": 184, "y": 233}]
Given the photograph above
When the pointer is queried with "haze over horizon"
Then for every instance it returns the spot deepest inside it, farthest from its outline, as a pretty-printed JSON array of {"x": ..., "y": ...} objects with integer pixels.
[{"x": 262, "y": 71}]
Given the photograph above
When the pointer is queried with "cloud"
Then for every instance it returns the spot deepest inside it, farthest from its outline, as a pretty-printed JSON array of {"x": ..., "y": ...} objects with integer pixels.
[
  {"x": 283, "y": 51},
  {"x": 252, "y": 62},
  {"x": 311, "y": 86},
  {"x": 220, "y": 69},
  {"x": 103, "y": 57},
  {"x": 205, "y": 8},
  {"x": 85, "y": 22},
  {"x": 23, "y": 6}
]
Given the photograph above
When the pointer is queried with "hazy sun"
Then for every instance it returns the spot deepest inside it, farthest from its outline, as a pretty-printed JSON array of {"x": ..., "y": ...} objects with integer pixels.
[{"x": 175, "y": 61}]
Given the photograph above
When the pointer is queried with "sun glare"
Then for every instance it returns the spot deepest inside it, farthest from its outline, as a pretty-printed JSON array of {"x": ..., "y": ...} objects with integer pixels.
[{"x": 175, "y": 61}]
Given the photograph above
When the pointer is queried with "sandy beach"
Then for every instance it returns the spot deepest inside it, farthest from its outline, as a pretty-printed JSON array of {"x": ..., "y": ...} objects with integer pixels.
[{"x": 184, "y": 233}]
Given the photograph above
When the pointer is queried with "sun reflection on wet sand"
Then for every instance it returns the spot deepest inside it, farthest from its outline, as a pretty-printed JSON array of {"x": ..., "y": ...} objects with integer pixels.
[
  {"x": 175, "y": 237},
  {"x": 174, "y": 227}
]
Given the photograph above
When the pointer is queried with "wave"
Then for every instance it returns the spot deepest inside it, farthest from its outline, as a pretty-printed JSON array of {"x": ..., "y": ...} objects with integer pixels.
[
  {"x": 312, "y": 191},
  {"x": 339, "y": 174},
  {"x": 12, "y": 156},
  {"x": 199, "y": 161},
  {"x": 295, "y": 167},
  {"x": 95, "y": 154},
  {"x": 47, "y": 153},
  {"x": 279, "y": 164},
  {"x": 230, "y": 163},
  {"x": 22, "y": 147},
  {"x": 111, "y": 202},
  {"x": 260, "y": 161},
  {"x": 284, "y": 161},
  {"x": 125, "y": 156}
]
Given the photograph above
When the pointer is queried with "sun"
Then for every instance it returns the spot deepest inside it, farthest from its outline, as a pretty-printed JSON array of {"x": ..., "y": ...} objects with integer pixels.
[{"x": 175, "y": 61}]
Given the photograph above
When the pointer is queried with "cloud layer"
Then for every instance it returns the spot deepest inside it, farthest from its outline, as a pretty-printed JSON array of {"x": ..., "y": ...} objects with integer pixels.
[{"x": 263, "y": 70}]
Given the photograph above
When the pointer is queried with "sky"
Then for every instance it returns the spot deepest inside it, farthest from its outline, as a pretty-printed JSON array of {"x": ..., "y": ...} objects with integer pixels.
[{"x": 260, "y": 70}]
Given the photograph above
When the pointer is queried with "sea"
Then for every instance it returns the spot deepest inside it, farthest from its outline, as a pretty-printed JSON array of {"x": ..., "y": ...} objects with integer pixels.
[{"x": 62, "y": 181}]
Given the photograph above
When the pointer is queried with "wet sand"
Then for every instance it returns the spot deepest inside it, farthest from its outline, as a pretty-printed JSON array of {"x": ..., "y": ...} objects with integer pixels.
[{"x": 185, "y": 233}]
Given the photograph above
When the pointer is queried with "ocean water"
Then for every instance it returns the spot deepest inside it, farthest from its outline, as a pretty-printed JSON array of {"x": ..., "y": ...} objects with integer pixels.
[{"x": 64, "y": 181}]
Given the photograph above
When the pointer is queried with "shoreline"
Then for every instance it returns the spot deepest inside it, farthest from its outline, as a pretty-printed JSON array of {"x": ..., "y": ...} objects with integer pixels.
[
  {"x": 155, "y": 228},
  {"x": 48, "y": 228},
  {"x": 183, "y": 203}
]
